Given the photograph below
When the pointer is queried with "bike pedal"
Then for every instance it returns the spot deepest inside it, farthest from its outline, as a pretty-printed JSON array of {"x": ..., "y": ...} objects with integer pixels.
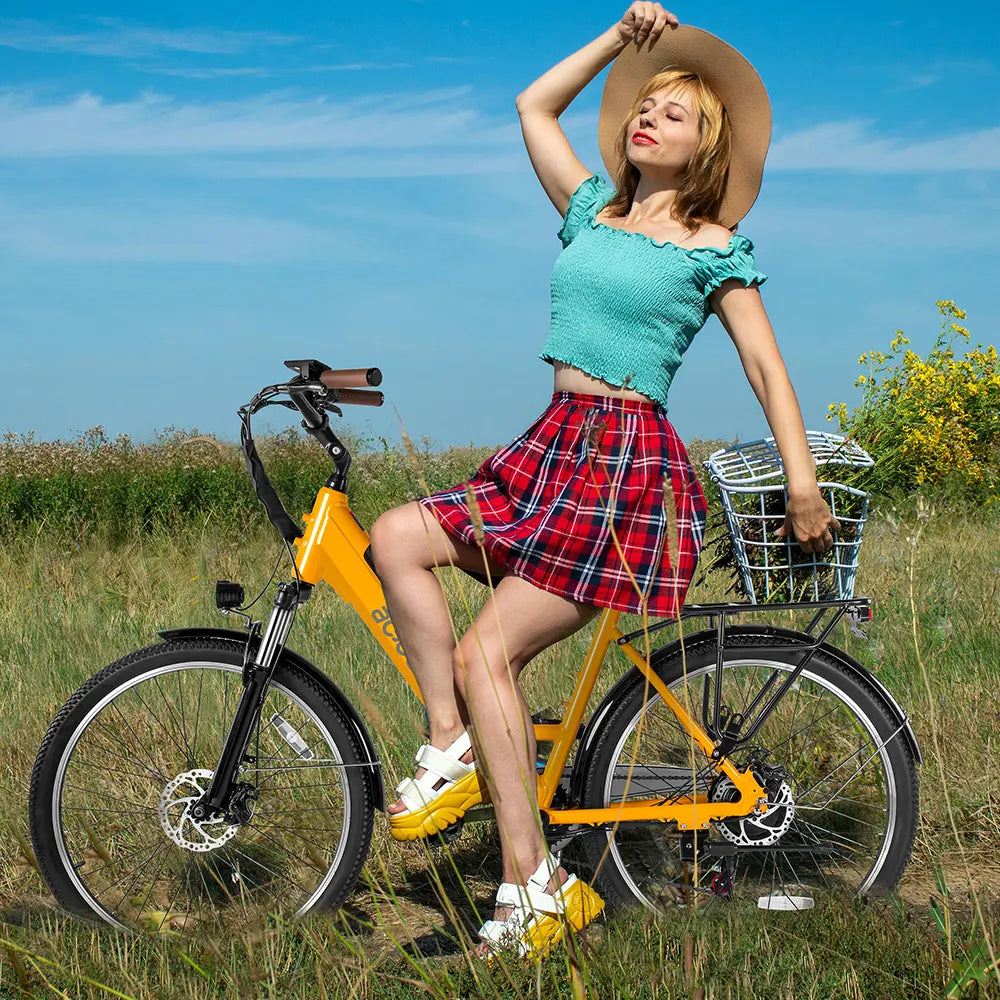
[{"x": 452, "y": 831}]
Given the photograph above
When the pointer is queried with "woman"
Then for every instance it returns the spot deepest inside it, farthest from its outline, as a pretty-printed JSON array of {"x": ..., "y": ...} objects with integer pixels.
[{"x": 685, "y": 125}]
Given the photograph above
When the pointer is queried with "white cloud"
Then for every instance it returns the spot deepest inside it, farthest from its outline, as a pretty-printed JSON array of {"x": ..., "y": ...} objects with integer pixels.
[
  {"x": 936, "y": 70},
  {"x": 204, "y": 72},
  {"x": 837, "y": 229},
  {"x": 856, "y": 145},
  {"x": 389, "y": 127},
  {"x": 477, "y": 59},
  {"x": 261, "y": 72},
  {"x": 111, "y": 37},
  {"x": 283, "y": 134},
  {"x": 917, "y": 81},
  {"x": 173, "y": 231},
  {"x": 378, "y": 162}
]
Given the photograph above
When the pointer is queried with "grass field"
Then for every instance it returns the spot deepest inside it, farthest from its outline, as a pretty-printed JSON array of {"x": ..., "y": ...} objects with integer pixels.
[{"x": 72, "y": 602}]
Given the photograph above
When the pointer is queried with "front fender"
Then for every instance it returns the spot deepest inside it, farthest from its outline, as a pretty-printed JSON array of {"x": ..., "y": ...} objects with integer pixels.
[
  {"x": 373, "y": 770},
  {"x": 709, "y": 637}
]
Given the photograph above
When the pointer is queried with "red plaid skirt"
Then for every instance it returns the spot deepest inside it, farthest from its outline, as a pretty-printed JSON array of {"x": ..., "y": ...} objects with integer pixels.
[{"x": 548, "y": 502}]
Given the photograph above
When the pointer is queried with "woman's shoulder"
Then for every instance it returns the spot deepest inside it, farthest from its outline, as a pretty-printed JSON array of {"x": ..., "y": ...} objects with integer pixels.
[{"x": 713, "y": 236}]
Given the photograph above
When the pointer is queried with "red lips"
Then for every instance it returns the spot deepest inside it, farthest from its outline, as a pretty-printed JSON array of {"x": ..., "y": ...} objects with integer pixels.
[{"x": 643, "y": 135}]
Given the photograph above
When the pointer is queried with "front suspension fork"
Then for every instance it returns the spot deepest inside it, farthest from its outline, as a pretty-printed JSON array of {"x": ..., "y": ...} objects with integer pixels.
[{"x": 256, "y": 678}]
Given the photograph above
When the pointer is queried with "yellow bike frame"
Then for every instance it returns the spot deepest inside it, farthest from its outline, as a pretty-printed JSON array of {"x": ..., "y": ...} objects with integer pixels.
[{"x": 332, "y": 548}]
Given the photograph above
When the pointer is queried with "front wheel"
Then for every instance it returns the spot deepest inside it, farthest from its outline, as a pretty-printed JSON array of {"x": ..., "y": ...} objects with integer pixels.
[
  {"x": 132, "y": 750},
  {"x": 842, "y": 812}
]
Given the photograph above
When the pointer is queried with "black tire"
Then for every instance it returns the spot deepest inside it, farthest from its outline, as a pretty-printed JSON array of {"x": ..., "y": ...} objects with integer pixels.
[
  {"x": 644, "y": 864},
  {"x": 108, "y": 790}
]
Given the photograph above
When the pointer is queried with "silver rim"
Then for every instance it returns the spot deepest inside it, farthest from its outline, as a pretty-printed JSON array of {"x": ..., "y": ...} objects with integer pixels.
[
  {"x": 785, "y": 878},
  {"x": 135, "y": 785}
]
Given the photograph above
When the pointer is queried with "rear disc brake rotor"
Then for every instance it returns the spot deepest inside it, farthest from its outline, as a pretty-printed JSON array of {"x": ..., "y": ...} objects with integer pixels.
[{"x": 755, "y": 830}]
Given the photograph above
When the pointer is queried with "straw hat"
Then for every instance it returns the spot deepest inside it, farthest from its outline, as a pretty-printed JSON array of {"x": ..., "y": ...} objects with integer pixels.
[{"x": 728, "y": 73}]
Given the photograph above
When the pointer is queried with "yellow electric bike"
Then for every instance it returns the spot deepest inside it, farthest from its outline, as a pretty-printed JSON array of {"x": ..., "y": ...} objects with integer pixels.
[{"x": 219, "y": 773}]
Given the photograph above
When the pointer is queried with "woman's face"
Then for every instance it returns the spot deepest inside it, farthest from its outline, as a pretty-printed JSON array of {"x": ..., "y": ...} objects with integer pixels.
[{"x": 671, "y": 119}]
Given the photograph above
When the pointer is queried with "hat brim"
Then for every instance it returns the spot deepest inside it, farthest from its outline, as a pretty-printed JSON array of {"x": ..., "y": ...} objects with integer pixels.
[{"x": 728, "y": 73}]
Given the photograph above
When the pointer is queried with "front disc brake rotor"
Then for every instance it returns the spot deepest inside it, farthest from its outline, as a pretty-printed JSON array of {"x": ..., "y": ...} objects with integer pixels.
[{"x": 174, "y": 810}]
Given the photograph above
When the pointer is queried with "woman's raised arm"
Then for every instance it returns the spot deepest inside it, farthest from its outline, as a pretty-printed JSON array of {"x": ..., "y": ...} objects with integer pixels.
[{"x": 539, "y": 105}]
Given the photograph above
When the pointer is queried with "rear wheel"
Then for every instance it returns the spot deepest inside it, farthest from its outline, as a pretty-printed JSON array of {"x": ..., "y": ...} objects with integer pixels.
[
  {"x": 127, "y": 756},
  {"x": 841, "y": 818}
]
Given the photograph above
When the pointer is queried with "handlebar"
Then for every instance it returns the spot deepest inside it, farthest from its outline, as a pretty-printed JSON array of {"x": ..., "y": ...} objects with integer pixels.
[
  {"x": 315, "y": 390},
  {"x": 311, "y": 370},
  {"x": 344, "y": 380}
]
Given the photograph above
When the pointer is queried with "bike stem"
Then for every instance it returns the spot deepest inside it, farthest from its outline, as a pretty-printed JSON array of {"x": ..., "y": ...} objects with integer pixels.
[{"x": 256, "y": 677}]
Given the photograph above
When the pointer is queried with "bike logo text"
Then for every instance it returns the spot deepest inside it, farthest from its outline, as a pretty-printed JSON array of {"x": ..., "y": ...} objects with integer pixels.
[{"x": 381, "y": 615}]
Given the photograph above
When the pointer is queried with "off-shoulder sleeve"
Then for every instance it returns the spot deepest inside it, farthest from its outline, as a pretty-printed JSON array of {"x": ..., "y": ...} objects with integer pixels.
[
  {"x": 736, "y": 261},
  {"x": 585, "y": 202}
]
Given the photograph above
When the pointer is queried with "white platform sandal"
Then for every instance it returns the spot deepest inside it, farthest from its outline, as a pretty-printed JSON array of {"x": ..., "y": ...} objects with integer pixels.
[
  {"x": 430, "y": 809},
  {"x": 538, "y": 921}
]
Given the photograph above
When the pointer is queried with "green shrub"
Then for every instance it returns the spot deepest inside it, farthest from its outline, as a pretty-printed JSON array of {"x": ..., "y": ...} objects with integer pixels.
[{"x": 932, "y": 425}]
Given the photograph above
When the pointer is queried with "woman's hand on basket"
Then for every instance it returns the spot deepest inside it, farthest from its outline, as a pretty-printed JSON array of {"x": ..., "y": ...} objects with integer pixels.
[
  {"x": 644, "y": 20},
  {"x": 809, "y": 521}
]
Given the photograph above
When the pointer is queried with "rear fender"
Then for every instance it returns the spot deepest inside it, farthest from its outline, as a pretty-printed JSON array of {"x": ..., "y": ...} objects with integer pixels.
[{"x": 373, "y": 771}]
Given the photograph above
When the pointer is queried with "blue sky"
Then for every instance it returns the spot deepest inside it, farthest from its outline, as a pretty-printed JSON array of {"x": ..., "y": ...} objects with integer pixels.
[{"x": 192, "y": 194}]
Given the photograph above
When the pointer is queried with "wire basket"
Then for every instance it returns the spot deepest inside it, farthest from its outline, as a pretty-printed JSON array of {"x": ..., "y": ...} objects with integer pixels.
[{"x": 750, "y": 479}]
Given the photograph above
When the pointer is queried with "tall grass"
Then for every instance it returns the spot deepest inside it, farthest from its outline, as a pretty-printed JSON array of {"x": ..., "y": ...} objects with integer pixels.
[
  {"x": 72, "y": 601},
  {"x": 118, "y": 488}
]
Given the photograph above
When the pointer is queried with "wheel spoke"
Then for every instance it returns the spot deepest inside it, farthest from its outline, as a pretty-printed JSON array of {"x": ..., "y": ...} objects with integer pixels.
[
  {"x": 197, "y": 713},
  {"x": 858, "y": 771},
  {"x": 96, "y": 739}
]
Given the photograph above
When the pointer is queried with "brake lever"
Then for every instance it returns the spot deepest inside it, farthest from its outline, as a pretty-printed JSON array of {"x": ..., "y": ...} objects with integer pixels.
[
  {"x": 326, "y": 398},
  {"x": 300, "y": 385},
  {"x": 323, "y": 393}
]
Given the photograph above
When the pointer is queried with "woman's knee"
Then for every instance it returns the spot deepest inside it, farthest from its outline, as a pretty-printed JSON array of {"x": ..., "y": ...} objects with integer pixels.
[
  {"x": 482, "y": 659},
  {"x": 411, "y": 537},
  {"x": 387, "y": 538}
]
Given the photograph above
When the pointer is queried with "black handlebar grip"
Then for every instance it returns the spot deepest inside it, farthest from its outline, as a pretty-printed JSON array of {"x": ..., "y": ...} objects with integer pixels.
[{"x": 348, "y": 378}]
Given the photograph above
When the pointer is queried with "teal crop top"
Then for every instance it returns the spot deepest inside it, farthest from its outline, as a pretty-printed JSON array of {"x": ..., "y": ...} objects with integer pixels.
[{"x": 625, "y": 304}]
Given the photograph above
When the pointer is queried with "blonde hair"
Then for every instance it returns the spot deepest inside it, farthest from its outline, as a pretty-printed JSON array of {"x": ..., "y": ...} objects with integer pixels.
[{"x": 703, "y": 186}]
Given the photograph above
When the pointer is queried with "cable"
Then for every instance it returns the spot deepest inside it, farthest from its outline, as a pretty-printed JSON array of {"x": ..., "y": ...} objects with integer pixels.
[
  {"x": 291, "y": 557},
  {"x": 247, "y": 607},
  {"x": 295, "y": 607},
  {"x": 266, "y": 398},
  {"x": 281, "y": 648}
]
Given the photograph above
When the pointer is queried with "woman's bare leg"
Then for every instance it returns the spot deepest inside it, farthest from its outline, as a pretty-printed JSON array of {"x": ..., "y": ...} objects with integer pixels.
[
  {"x": 518, "y": 621},
  {"x": 407, "y": 542}
]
